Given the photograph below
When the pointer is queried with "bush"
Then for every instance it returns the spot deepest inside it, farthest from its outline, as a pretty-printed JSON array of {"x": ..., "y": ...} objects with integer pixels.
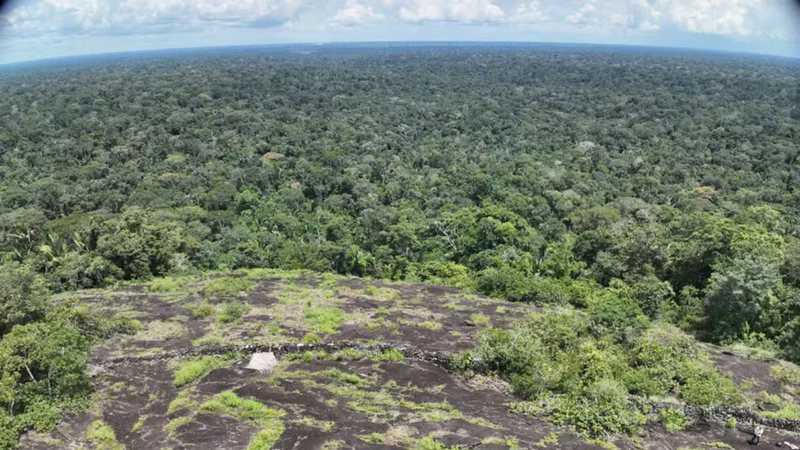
[
  {"x": 672, "y": 419},
  {"x": 616, "y": 311},
  {"x": 601, "y": 408},
  {"x": 42, "y": 369},
  {"x": 202, "y": 311},
  {"x": 23, "y": 296},
  {"x": 233, "y": 311},
  {"x": 582, "y": 375}
]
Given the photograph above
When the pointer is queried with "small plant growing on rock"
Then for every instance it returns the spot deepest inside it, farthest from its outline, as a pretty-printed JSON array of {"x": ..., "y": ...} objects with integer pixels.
[
  {"x": 311, "y": 338},
  {"x": 233, "y": 311},
  {"x": 102, "y": 436},
  {"x": 672, "y": 419},
  {"x": 193, "y": 369}
]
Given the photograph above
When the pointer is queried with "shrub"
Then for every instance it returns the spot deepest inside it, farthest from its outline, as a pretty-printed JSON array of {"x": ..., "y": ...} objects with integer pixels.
[
  {"x": 602, "y": 407},
  {"x": 202, "y": 311},
  {"x": 324, "y": 319},
  {"x": 616, "y": 312},
  {"x": 233, "y": 311},
  {"x": 311, "y": 338},
  {"x": 672, "y": 419},
  {"x": 581, "y": 375},
  {"x": 23, "y": 296}
]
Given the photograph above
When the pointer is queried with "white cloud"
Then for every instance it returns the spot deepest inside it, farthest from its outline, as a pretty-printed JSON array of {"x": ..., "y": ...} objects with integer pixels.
[
  {"x": 724, "y": 17},
  {"x": 120, "y": 16},
  {"x": 529, "y": 12},
  {"x": 450, "y": 10},
  {"x": 355, "y": 13},
  {"x": 765, "y": 19},
  {"x": 587, "y": 14}
]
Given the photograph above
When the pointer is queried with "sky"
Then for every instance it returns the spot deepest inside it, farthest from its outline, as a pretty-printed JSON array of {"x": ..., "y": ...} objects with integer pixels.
[{"x": 39, "y": 29}]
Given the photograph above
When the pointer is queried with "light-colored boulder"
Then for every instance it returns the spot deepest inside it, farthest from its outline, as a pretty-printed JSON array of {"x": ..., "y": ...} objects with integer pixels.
[{"x": 263, "y": 362}]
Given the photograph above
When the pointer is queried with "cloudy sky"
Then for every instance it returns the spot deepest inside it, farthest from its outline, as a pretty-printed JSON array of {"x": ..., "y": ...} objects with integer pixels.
[{"x": 36, "y": 29}]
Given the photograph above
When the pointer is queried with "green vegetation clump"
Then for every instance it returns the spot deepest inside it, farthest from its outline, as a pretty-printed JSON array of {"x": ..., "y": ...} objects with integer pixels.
[
  {"x": 192, "y": 369},
  {"x": 579, "y": 371},
  {"x": 311, "y": 338},
  {"x": 166, "y": 284},
  {"x": 324, "y": 319},
  {"x": 390, "y": 355},
  {"x": 232, "y": 311},
  {"x": 786, "y": 373},
  {"x": 673, "y": 419},
  {"x": 202, "y": 311},
  {"x": 102, "y": 436},
  {"x": 44, "y": 346},
  {"x": 270, "y": 420},
  {"x": 228, "y": 286}
]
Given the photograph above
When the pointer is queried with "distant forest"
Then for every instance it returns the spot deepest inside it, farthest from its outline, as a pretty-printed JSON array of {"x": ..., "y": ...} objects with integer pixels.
[{"x": 665, "y": 184}]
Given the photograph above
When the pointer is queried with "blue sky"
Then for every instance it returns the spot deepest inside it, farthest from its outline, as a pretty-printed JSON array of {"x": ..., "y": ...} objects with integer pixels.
[{"x": 36, "y": 29}]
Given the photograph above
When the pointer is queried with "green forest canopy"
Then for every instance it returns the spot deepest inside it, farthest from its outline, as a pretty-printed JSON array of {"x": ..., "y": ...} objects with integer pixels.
[{"x": 631, "y": 180}]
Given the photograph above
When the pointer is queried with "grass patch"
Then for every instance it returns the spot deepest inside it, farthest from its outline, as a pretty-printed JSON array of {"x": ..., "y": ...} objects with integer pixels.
[
  {"x": 551, "y": 440},
  {"x": 431, "y": 325},
  {"x": 324, "y": 319},
  {"x": 232, "y": 311},
  {"x": 270, "y": 420},
  {"x": 228, "y": 286},
  {"x": 390, "y": 355},
  {"x": 181, "y": 401},
  {"x": 102, "y": 436},
  {"x": 786, "y": 373},
  {"x": 201, "y": 311},
  {"x": 140, "y": 423},
  {"x": 311, "y": 338},
  {"x": 481, "y": 320},
  {"x": 167, "y": 284},
  {"x": 322, "y": 425},
  {"x": 190, "y": 370},
  {"x": 160, "y": 330},
  {"x": 786, "y": 408},
  {"x": 177, "y": 422}
]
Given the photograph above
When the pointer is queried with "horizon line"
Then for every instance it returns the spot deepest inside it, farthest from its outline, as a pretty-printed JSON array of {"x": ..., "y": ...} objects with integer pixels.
[{"x": 389, "y": 43}]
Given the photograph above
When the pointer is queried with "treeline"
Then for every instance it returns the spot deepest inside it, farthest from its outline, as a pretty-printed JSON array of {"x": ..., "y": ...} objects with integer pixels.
[{"x": 660, "y": 183}]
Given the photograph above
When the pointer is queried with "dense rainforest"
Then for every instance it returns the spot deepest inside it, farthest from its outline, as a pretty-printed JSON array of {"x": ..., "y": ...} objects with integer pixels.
[{"x": 649, "y": 185}]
